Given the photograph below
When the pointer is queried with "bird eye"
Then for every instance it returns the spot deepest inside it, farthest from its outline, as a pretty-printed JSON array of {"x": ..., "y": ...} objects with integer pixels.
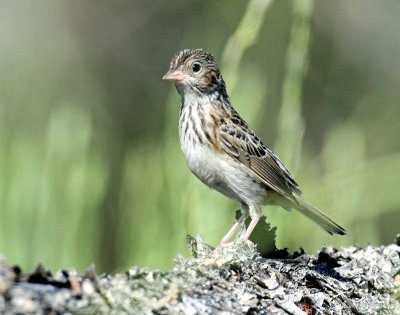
[{"x": 196, "y": 67}]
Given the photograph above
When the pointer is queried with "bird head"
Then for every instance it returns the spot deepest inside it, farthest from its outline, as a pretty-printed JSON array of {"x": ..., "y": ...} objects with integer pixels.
[{"x": 195, "y": 71}]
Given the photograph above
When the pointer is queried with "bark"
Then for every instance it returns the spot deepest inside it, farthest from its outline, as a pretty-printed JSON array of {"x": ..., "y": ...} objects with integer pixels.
[{"x": 230, "y": 280}]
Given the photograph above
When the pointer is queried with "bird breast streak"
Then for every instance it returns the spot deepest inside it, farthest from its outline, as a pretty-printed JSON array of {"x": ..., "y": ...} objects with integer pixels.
[{"x": 196, "y": 143}]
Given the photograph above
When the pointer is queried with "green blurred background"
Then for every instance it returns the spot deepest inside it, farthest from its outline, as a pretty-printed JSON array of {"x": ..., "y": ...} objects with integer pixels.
[{"x": 90, "y": 162}]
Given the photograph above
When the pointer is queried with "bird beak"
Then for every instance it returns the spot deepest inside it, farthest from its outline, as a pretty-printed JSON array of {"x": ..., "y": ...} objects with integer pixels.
[{"x": 174, "y": 76}]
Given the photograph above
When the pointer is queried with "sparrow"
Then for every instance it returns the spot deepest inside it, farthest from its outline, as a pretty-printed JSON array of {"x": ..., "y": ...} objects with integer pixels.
[{"x": 225, "y": 153}]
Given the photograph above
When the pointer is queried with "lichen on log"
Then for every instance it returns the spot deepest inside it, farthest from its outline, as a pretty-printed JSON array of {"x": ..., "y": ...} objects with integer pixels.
[{"x": 234, "y": 279}]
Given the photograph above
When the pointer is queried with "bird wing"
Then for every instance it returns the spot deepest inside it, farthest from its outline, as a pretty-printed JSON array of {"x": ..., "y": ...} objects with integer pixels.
[{"x": 241, "y": 143}]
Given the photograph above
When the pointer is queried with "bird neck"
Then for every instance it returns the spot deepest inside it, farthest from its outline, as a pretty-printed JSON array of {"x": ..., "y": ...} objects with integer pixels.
[
  {"x": 195, "y": 95},
  {"x": 192, "y": 98}
]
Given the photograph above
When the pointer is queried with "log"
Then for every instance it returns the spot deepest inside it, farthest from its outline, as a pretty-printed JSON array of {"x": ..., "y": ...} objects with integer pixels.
[{"x": 234, "y": 279}]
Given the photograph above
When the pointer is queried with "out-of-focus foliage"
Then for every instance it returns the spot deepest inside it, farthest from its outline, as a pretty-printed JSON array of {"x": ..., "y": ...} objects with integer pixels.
[{"x": 90, "y": 163}]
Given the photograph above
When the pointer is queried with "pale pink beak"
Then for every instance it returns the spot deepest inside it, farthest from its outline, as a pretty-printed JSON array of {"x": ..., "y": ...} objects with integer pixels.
[{"x": 174, "y": 76}]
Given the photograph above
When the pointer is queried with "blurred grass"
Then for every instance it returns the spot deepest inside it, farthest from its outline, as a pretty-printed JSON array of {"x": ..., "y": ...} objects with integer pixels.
[
  {"x": 58, "y": 117},
  {"x": 50, "y": 185},
  {"x": 290, "y": 123}
]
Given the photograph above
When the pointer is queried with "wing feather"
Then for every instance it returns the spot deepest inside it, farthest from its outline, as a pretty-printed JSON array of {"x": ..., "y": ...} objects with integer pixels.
[{"x": 241, "y": 143}]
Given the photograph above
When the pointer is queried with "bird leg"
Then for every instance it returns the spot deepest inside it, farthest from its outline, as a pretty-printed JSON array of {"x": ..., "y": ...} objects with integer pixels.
[
  {"x": 234, "y": 228},
  {"x": 251, "y": 226}
]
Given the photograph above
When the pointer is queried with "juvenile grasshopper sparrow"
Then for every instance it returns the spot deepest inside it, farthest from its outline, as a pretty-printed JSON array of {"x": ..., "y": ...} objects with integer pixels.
[{"x": 224, "y": 152}]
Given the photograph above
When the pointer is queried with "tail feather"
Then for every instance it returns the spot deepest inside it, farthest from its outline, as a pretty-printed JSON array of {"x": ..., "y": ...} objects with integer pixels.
[{"x": 318, "y": 217}]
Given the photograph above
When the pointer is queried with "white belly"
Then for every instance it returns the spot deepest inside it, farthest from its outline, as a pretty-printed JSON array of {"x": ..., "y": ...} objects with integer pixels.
[
  {"x": 202, "y": 162},
  {"x": 223, "y": 174}
]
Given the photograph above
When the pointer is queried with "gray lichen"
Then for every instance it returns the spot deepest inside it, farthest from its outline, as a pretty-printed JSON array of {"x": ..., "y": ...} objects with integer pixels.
[{"x": 233, "y": 279}]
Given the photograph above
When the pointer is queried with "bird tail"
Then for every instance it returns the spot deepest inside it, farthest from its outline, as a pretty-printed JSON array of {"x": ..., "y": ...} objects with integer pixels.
[{"x": 318, "y": 216}]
